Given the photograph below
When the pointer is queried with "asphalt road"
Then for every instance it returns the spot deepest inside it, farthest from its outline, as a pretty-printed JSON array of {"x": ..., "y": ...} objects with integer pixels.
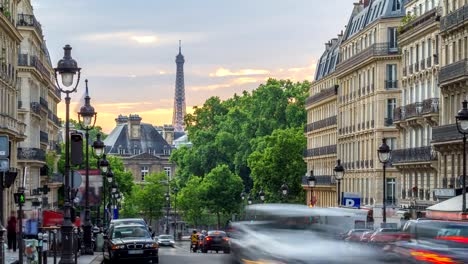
[{"x": 181, "y": 254}]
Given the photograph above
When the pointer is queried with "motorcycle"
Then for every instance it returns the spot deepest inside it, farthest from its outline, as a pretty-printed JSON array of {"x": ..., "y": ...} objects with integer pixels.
[{"x": 194, "y": 246}]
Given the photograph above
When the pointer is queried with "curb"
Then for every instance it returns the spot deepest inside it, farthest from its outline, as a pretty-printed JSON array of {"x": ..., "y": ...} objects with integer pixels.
[{"x": 98, "y": 259}]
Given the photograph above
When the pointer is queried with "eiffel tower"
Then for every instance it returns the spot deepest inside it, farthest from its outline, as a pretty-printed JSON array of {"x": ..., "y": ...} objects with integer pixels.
[{"x": 179, "y": 99}]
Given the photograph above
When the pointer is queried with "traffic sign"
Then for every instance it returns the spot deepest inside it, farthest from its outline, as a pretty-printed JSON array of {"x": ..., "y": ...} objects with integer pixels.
[
  {"x": 351, "y": 200},
  {"x": 75, "y": 180}
]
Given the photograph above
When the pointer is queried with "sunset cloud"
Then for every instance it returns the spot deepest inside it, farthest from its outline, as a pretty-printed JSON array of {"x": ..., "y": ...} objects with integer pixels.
[{"x": 222, "y": 72}]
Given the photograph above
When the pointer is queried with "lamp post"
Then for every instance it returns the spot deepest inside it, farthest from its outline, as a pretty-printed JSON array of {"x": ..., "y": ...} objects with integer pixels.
[
  {"x": 168, "y": 205},
  {"x": 99, "y": 147},
  {"x": 261, "y": 194},
  {"x": 175, "y": 191},
  {"x": 284, "y": 191},
  {"x": 339, "y": 174},
  {"x": 87, "y": 119},
  {"x": 462, "y": 125},
  {"x": 113, "y": 190},
  {"x": 242, "y": 195},
  {"x": 67, "y": 67},
  {"x": 384, "y": 153},
  {"x": 311, "y": 180}
]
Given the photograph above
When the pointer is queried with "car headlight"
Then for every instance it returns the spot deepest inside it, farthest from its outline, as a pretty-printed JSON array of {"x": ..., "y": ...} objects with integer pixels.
[
  {"x": 114, "y": 247},
  {"x": 152, "y": 245}
]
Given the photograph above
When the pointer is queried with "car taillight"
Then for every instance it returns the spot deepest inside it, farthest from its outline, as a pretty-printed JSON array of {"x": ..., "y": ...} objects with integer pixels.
[
  {"x": 458, "y": 239},
  {"x": 208, "y": 238},
  {"x": 432, "y": 257},
  {"x": 226, "y": 239}
]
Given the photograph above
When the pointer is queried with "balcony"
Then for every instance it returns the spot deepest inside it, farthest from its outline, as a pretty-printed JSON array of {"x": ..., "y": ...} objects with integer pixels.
[
  {"x": 411, "y": 155},
  {"x": 413, "y": 110},
  {"x": 43, "y": 103},
  {"x": 453, "y": 72},
  {"x": 418, "y": 23},
  {"x": 29, "y": 21},
  {"x": 44, "y": 137},
  {"x": 445, "y": 133},
  {"x": 321, "y": 124},
  {"x": 321, "y": 180},
  {"x": 322, "y": 95},
  {"x": 36, "y": 108},
  {"x": 26, "y": 60},
  {"x": 398, "y": 114},
  {"x": 388, "y": 122},
  {"x": 391, "y": 84},
  {"x": 326, "y": 150},
  {"x": 377, "y": 49},
  {"x": 430, "y": 106},
  {"x": 454, "y": 19},
  {"x": 54, "y": 118},
  {"x": 31, "y": 154}
]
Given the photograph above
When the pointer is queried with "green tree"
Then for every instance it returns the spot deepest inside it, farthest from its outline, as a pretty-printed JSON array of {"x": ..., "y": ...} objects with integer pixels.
[
  {"x": 221, "y": 191},
  {"x": 277, "y": 159},
  {"x": 191, "y": 202},
  {"x": 130, "y": 207},
  {"x": 150, "y": 199}
]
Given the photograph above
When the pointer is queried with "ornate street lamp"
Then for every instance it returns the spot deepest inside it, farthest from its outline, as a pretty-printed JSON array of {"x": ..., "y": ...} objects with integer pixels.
[
  {"x": 110, "y": 176},
  {"x": 284, "y": 189},
  {"x": 249, "y": 200},
  {"x": 261, "y": 194},
  {"x": 98, "y": 146},
  {"x": 87, "y": 120},
  {"x": 242, "y": 196},
  {"x": 339, "y": 174},
  {"x": 462, "y": 125},
  {"x": 384, "y": 153},
  {"x": 104, "y": 164},
  {"x": 311, "y": 180},
  {"x": 67, "y": 67}
]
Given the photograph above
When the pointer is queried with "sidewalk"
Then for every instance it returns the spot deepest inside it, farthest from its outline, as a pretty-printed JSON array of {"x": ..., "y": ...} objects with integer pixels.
[{"x": 11, "y": 257}]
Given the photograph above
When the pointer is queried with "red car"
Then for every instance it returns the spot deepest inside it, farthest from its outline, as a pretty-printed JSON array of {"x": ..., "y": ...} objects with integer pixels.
[
  {"x": 354, "y": 235},
  {"x": 216, "y": 241},
  {"x": 365, "y": 237},
  {"x": 387, "y": 235}
]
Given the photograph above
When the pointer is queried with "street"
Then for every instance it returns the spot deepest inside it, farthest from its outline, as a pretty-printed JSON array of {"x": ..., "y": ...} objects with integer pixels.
[{"x": 181, "y": 254}]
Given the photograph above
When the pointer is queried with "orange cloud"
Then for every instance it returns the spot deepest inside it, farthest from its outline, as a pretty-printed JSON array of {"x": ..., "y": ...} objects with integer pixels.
[{"x": 222, "y": 72}]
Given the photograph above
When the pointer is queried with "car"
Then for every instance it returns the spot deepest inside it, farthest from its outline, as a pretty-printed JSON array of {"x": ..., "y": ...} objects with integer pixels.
[
  {"x": 127, "y": 221},
  {"x": 387, "y": 235},
  {"x": 354, "y": 235},
  {"x": 365, "y": 237},
  {"x": 130, "y": 242},
  {"x": 216, "y": 241},
  {"x": 166, "y": 240}
]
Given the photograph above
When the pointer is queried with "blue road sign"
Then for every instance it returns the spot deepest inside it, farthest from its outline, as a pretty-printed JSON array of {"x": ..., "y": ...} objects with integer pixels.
[{"x": 351, "y": 200}]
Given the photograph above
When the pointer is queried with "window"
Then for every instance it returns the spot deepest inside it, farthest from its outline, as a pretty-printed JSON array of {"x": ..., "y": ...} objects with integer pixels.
[
  {"x": 168, "y": 172},
  {"x": 391, "y": 76},
  {"x": 396, "y": 5},
  {"x": 392, "y": 143},
  {"x": 144, "y": 172},
  {"x": 391, "y": 104},
  {"x": 392, "y": 39}
]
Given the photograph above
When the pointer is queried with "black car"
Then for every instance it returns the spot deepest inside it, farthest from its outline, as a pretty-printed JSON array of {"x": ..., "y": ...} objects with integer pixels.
[
  {"x": 216, "y": 241},
  {"x": 130, "y": 242}
]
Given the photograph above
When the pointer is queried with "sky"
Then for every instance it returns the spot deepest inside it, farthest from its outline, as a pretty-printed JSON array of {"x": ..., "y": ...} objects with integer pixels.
[{"x": 127, "y": 49}]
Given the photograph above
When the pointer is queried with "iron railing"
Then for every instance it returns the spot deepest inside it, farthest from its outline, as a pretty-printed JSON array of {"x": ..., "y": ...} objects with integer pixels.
[
  {"x": 446, "y": 133},
  {"x": 44, "y": 137},
  {"x": 44, "y": 102},
  {"x": 330, "y": 121},
  {"x": 27, "y": 60},
  {"x": 391, "y": 84},
  {"x": 430, "y": 106},
  {"x": 454, "y": 19},
  {"x": 31, "y": 154},
  {"x": 326, "y": 150},
  {"x": 388, "y": 121},
  {"x": 413, "y": 110},
  {"x": 377, "y": 49},
  {"x": 452, "y": 71},
  {"x": 420, "y": 154},
  {"x": 419, "y": 22},
  {"x": 323, "y": 94},
  {"x": 321, "y": 180},
  {"x": 36, "y": 107},
  {"x": 398, "y": 114},
  {"x": 29, "y": 21}
]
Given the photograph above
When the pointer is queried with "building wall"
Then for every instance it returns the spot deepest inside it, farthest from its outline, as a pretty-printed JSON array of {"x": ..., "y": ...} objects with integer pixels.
[{"x": 141, "y": 167}]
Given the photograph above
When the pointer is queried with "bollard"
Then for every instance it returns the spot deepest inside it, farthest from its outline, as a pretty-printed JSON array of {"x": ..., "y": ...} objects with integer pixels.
[
  {"x": 45, "y": 247},
  {"x": 39, "y": 247},
  {"x": 2, "y": 242}
]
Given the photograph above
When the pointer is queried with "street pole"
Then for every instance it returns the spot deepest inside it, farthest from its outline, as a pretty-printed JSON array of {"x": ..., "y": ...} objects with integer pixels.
[
  {"x": 87, "y": 226},
  {"x": 339, "y": 193},
  {"x": 167, "y": 216},
  {"x": 384, "y": 207},
  {"x": 464, "y": 175},
  {"x": 175, "y": 215},
  {"x": 1, "y": 199},
  {"x": 20, "y": 231}
]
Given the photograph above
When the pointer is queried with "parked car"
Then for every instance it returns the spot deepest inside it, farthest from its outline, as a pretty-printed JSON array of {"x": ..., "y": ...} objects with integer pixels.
[
  {"x": 216, "y": 241},
  {"x": 387, "y": 235},
  {"x": 166, "y": 240},
  {"x": 129, "y": 242},
  {"x": 354, "y": 235}
]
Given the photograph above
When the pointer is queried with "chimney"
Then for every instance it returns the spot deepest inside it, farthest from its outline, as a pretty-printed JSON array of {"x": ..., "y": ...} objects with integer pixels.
[
  {"x": 134, "y": 126},
  {"x": 328, "y": 46},
  {"x": 341, "y": 34},
  {"x": 334, "y": 41},
  {"x": 121, "y": 119},
  {"x": 168, "y": 134}
]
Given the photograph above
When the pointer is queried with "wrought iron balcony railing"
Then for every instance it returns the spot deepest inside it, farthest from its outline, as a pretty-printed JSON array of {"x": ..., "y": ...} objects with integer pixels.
[
  {"x": 44, "y": 137},
  {"x": 388, "y": 121},
  {"x": 326, "y": 150},
  {"x": 31, "y": 154},
  {"x": 36, "y": 108},
  {"x": 430, "y": 106},
  {"x": 450, "y": 72},
  {"x": 54, "y": 118},
  {"x": 391, "y": 84},
  {"x": 413, "y": 110},
  {"x": 419, "y": 22},
  {"x": 398, "y": 114},
  {"x": 420, "y": 154},
  {"x": 321, "y": 180},
  {"x": 324, "y": 94},
  {"x": 445, "y": 133},
  {"x": 44, "y": 103},
  {"x": 27, "y": 60},
  {"x": 330, "y": 121},
  {"x": 454, "y": 19},
  {"x": 29, "y": 21},
  {"x": 377, "y": 49}
]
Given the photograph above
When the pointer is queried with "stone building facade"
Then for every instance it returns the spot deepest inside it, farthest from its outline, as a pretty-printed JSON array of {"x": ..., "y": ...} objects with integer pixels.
[
  {"x": 321, "y": 128},
  {"x": 418, "y": 110},
  {"x": 369, "y": 82}
]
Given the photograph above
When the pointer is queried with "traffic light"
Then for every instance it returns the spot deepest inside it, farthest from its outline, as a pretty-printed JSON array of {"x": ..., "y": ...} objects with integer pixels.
[
  {"x": 20, "y": 198},
  {"x": 76, "y": 140}
]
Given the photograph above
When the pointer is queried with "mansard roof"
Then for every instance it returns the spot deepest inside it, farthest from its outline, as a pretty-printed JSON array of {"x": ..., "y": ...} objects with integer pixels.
[
  {"x": 327, "y": 63},
  {"x": 364, "y": 15}
]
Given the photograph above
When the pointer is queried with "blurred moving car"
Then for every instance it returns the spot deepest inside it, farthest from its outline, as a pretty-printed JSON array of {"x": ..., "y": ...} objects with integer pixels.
[
  {"x": 354, "y": 235},
  {"x": 433, "y": 241},
  {"x": 166, "y": 240},
  {"x": 387, "y": 235},
  {"x": 365, "y": 237},
  {"x": 216, "y": 241},
  {"x": 129, "y": 242}
]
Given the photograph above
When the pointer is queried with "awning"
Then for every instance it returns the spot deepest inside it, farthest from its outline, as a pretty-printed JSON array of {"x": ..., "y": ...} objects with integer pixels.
[{"x": 451, "y": 205}]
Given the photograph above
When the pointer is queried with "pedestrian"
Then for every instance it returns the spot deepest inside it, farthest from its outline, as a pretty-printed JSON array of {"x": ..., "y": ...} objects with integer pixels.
[{"x": 11, "y": 231}]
